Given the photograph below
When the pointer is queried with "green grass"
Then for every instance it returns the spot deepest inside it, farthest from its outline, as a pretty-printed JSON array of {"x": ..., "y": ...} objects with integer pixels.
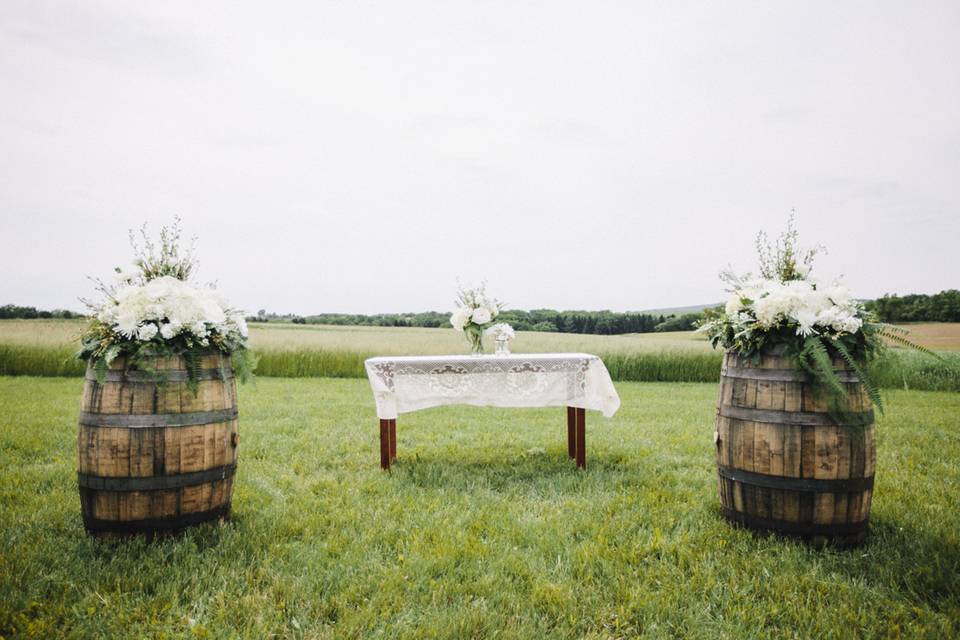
[{"x": 483, "y": 529}]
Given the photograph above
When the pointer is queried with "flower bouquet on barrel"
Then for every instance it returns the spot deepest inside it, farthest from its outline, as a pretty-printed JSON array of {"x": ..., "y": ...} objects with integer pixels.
[
  {"x": 794, "y": 429},
  {"x": 158, "y": 435},
  {"x": 474, "y": 313},
  {"x": 154, "y": 311}
]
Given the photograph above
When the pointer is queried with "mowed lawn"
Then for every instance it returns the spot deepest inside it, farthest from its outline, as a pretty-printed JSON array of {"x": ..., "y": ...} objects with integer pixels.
[{"x": 483, "y": 529}]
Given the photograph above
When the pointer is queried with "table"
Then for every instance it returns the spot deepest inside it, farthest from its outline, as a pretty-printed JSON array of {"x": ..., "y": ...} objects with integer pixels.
[{"x": 578, "y": 381}]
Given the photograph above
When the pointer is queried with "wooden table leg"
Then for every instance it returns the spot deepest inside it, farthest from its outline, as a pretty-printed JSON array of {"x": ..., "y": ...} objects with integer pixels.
[
  {"x": 571, "y": 432},
  {"x": 384, "y": 444},
  {"x": 581, "y": 438},
  {"x": 393, "y": 440}
]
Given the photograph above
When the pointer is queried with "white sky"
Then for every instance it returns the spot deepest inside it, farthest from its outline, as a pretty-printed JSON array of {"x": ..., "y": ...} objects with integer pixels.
[{"x": 361, "y": 156}]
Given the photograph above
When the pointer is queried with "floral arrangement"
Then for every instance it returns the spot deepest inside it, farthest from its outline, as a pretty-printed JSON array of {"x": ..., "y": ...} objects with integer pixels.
[
  {"x": 815, "y": 321},
  {"x": 153, "y": 310},
  {"x": 475, "y": 311},
  {"x": 503, "y": 333}
]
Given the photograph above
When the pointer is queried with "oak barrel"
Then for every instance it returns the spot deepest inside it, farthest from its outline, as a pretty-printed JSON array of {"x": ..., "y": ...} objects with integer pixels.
[
  {"x": 784, "y": 463},
  {"x": 157, "y": 457}
]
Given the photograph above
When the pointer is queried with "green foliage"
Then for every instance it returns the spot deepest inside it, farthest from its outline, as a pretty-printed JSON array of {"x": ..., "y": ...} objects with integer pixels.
[
  {"x": 550, "y": 320},
  {"x": 167, "y": 259},
  {"x": 939, "y": 307},
  {"x": 686, "y": 322},
  {"x": 781, "y": 260},
  {"x": 11, "y": 311},
  {"x": 484, "y": 529}
]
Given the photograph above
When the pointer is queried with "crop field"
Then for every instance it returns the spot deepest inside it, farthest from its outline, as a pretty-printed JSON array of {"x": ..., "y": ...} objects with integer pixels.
[
  {"x": 46, "y": 348},
  {"x": 483, "y": 529}
]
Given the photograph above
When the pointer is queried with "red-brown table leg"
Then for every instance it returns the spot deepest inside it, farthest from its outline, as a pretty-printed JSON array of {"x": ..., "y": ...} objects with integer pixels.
[
  {"x": 571, "y": 432},
  {"x": 384, "y": 444},
  {"x": 393, "y": 440},
  {"x": 581, "y": 438}
]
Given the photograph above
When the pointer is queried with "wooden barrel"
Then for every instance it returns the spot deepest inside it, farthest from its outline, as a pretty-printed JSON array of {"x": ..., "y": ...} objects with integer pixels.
[
  {"x": 155, "y": 458},
  {"x": 784, "y": 464}
]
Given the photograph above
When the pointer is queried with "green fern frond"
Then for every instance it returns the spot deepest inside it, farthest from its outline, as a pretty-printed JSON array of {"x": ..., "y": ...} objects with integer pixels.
[
  {"x": 868, "y": 384},
  {"x": 192, "y": 359},
  {"x": 822, "y": 366},
  {"x": 899, "y": 339}
]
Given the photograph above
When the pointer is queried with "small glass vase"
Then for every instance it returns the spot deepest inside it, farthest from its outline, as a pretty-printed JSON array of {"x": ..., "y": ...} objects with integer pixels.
[
  {"x": 475, "y": 338},
  {"x": 503, "y": 347}
]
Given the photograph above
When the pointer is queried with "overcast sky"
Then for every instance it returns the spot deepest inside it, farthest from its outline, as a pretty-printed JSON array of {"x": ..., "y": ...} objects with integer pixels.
[{"x": 361, "y": 156}]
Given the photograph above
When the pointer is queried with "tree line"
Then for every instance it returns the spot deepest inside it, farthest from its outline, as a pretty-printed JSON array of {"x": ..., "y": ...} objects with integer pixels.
[
  {"x": 939, "y": 307},
  {"x": 918, "y": 307},
  {"x": 12, "y": 311},
  {"x": 592, "y": 322}
]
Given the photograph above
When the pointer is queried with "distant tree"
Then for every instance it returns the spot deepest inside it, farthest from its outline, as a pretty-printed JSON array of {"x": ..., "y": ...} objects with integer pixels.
[
  {"x": 543, "y": 326},
  {"x": 685, "y": 322}
]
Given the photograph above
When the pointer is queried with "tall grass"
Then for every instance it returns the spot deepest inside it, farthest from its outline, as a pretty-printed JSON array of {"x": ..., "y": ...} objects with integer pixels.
[
  {"x": 899, "y": 369},
  {"x": 311, "y": 364},
  {"x": 896, "y": 370},
  {"x": 31, "y": 360}
]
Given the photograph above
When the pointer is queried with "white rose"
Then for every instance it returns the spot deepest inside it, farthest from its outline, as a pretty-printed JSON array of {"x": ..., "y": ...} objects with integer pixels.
[
  {"x": 481, "y": 315},
  {"x": 147, "y": 331},
  {"x": 459, "y": 318},
  {"x": 167, "y": 330}
]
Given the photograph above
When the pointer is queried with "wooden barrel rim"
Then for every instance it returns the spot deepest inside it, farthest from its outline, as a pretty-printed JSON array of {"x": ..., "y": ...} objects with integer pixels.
[
  {"x": 148, "y": 420},
  {"x": 161, "y": 375},
  {"x": 150, "y": 525},
  {"x": 154, "y": 483},
  {"x": 815, "y": 485},
  {"x": 798, "y": 418}
]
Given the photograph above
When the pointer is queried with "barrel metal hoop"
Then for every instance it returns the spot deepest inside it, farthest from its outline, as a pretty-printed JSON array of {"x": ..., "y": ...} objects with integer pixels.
[
  {"x": 147, "y": 420},
  {"x": 810, "y": 485},
  {"x": 151, "y": 525},
  {"x": 161, "y": 375},
  {"x": 781, "y": 375},
  {"x": 796, "y": 528},
  {"x": 799, "y": 418},
  {"x": 154, "y": 483}
]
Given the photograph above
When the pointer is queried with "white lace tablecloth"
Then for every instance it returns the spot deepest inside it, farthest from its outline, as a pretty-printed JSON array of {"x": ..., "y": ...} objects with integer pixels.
[{"x": 407, "y": 383}]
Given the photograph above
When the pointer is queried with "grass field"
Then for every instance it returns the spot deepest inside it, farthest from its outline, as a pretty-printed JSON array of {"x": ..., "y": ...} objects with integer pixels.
[
  {"x": 483, "y": 529},
  {"x": 46, "y": 347},
  {"x": 939, "y": 336}
]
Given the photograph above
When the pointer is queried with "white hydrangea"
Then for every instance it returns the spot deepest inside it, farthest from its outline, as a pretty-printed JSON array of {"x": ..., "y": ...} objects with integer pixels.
[
  {"x": 169, "y": 306},
  {"x": 501, "y": 330},
  {"x": 167, "y": 330},
  {"x": 812, "y": 307},
  {"x": 146, "y": 331}
]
